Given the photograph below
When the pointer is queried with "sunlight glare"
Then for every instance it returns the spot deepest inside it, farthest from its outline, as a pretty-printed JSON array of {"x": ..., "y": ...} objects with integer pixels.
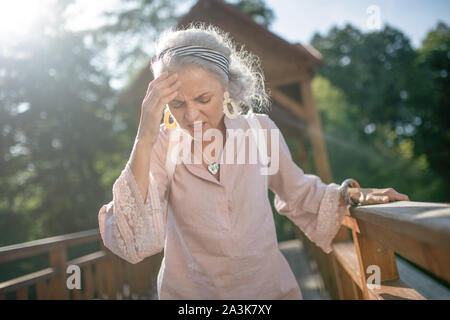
[{"x": 17, "y": 17}]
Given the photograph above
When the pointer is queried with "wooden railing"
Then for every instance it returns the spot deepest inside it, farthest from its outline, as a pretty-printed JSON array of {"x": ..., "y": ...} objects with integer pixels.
[
  {"x": 103, "y": 274},
  {"x": 416, "y": 231}
]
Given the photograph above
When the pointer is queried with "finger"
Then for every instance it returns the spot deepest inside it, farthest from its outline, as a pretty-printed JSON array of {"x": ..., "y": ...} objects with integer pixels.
[
  {"x": 159, "y": 94},
  {"x": 155, "y": 81},
  {"x": 163, "y": 99},
  {"x": 165, "y": 83},
  {"x": 396, "y": 196},
  {"x": 373, "y": 199},
  {"x": 385, "y": 192},
  {"x": 401, "y": 197},
  {"x": 171, "y": 80},
  {"x": 169, "y": 98}
]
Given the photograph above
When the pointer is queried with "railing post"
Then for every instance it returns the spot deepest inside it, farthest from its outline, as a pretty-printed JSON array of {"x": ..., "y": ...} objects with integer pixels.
[
  {"x": 88, "y": 282},
  {"x": 372, "y": 253},
  {"x": 98, "y": 275},
  {"x": 41, "y": 289},
  {"x": 58, "y": 261},
  {"x": 110, "y": 280},
  {"x": 118, "y": 276},
  {"x": 22, "y": 293}
]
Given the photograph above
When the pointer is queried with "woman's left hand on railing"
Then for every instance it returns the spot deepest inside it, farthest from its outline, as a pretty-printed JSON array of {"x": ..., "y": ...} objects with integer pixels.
[{"x": 372, "y": 195}]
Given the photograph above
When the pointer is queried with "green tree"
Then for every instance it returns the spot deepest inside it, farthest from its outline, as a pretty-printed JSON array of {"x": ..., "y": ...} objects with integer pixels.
[
  {"x": 379, "y": 74},
  {"x": 257, "y": 9},
  {"x": 62, "y": 140},
  {"x": 433, "y": 102},
  {"x": 130, "y": 32},
  {"x": 375, "y": 70},
  {"x": 352, "y": 155},
  {"x": 55, "y": 120}
]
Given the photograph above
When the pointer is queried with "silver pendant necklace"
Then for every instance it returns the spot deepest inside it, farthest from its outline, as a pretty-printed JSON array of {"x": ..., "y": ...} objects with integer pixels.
[{"x": 213, "y": 166}]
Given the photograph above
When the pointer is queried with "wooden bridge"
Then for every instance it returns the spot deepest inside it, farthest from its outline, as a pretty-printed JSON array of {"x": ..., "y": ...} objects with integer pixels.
[{"x": 407, "y": 242}]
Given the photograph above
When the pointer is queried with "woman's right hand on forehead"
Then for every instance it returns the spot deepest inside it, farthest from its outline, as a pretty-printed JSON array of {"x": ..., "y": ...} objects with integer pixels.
[{"x": 160, "y": 92}]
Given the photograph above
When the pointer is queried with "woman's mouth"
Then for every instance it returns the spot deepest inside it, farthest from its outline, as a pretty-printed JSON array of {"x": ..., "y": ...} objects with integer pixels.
[{"x": 198, "y": 126}]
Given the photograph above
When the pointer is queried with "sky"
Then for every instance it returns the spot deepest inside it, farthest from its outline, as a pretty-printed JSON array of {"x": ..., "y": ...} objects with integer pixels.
[
  {"x": 295, "y": 20},
  {"x": 298, "y": 20}
]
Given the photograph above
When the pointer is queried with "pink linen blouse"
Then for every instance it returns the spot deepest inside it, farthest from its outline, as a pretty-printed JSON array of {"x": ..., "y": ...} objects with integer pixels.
[{"x": 219, "y": 237}]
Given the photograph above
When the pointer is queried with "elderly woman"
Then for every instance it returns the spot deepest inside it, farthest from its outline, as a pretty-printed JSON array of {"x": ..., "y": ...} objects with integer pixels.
[{"x": 213, "y": 218}]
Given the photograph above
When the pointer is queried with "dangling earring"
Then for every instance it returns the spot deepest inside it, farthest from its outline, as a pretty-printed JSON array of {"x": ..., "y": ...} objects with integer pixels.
[
  {"x": 169, "y": 120},
  {"x": 227, "y": 100}
]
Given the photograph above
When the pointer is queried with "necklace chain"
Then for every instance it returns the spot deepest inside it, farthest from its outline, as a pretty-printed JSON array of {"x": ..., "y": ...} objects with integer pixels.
[{"x": 213, "y": 166}]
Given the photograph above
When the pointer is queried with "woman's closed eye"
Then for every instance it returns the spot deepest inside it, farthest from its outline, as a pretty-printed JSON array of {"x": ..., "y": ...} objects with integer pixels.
[{"x": 177, "y": 106}]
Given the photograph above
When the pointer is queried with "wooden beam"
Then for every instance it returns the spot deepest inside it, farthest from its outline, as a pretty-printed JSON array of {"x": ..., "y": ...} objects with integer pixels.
[
  {"x": 285, "y": 80},
  {"x": 58, "y": 261},
  {"x": 432, "y": 258},
  {"x": 316, "y": 133},
  {"x": 289, "y": 103},
  {"x": 423, "y": 221}
]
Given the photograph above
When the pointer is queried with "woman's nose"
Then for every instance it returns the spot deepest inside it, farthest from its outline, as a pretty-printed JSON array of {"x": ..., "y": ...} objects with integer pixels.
[{"x": 191, "y": 114}]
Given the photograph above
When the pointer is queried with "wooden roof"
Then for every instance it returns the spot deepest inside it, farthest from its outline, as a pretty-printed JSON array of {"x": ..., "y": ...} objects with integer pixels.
[{"x": 280, "y": 58}]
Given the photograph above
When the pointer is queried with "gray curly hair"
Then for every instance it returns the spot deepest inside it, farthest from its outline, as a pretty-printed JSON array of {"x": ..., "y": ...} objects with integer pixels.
[{"x": 246, "y": 78}]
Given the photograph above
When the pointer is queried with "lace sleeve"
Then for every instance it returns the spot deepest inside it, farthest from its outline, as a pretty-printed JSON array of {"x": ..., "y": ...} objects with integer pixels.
[
  {"x": 315, "y": 207},
  {"x": 130, "y": 227}
]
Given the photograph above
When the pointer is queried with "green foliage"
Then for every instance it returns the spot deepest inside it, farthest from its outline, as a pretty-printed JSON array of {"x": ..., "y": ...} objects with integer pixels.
[
  {"x": 130, "y": 31},
  {"x": 396, "y": 98},
  {"x": 55, "y": 119},
  {"x": 372, "y": 164},
  {"x": 256, "y": 9},
  {"x": 433, "y": 102},
  {"x": 373, "y": 69}
]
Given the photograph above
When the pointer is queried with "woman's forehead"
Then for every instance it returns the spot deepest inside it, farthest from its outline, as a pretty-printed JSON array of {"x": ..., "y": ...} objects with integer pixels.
[
  {"x": 196, "y": 82},
  {"x": 195, "y": 73}
]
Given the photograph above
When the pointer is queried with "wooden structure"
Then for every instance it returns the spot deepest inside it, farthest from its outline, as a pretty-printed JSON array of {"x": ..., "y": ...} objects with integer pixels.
[{"x": 417, "y": 231}]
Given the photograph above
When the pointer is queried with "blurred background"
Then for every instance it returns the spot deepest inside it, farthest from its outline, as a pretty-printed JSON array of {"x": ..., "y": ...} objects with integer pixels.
[{"x": 382, "y": 90}]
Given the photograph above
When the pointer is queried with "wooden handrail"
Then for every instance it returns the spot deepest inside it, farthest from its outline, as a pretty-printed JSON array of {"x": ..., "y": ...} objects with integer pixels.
[
  {"x": 104, "y": 274},
  {"x": 27, "y": 280},
  {"x": 426, "y": 222},
  {"x": 417, "y": 231},
  {"x": 33, "y": 248}
]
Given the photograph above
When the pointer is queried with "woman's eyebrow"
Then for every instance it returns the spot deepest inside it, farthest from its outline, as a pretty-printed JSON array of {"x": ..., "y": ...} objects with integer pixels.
[{"x": 175, "y": 100}]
